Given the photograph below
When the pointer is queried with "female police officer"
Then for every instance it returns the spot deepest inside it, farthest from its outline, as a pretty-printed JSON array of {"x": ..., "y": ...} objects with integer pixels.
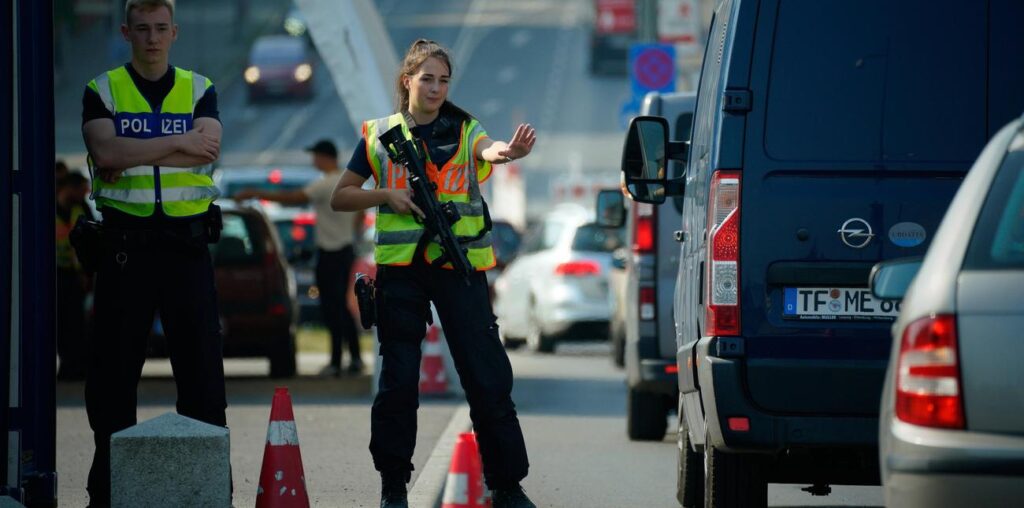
[{"x": 458, "y": 157}]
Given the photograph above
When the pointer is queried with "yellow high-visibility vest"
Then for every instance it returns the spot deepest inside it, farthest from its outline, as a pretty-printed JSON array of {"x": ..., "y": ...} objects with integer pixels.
[{"x": 181, "y": 192}]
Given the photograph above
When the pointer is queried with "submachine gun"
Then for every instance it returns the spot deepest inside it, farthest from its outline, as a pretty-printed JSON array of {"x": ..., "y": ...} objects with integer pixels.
[{"x": 438, "y": 217}]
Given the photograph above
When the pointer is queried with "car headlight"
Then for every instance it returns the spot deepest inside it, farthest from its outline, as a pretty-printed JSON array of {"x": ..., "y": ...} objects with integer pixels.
[
  {"x": 252, "y": 74},
  {"x": 303, "y": 73}
]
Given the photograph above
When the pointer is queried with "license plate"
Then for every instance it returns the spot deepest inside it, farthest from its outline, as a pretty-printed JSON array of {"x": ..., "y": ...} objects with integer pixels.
[{"x": 840, "y": 304}]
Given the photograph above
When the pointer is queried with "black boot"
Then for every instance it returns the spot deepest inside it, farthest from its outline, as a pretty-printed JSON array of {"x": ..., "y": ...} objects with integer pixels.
[
  {"x": 393, "y": 493},
  {"x": 511, "y": 498}
]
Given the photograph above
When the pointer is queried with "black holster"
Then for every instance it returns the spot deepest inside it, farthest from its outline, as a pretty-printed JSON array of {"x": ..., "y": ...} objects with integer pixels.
[
  {"x": 86, "y": 239},
  {"x": 367, "y": 298}
]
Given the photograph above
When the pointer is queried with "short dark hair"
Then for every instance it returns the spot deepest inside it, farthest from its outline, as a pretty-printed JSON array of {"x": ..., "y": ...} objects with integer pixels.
[{"x": 324, "y": 147}]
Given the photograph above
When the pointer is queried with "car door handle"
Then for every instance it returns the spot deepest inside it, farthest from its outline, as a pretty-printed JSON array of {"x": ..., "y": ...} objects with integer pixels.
[{"x": 680, "y": 236}]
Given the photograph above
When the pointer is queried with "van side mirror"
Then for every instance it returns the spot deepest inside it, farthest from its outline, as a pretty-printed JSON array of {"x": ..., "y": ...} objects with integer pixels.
[
  {"x": 645, "y": 157},
  {"x": 891, "y": 279},
  {"x": 611, "y": 208}
]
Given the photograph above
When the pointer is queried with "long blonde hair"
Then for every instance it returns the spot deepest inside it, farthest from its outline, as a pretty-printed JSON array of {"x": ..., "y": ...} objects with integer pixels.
[{"x": 418, "y": 53}]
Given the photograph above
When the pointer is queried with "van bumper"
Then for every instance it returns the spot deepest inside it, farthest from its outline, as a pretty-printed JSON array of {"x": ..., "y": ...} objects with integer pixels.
[{"x": 725, "y": 396}]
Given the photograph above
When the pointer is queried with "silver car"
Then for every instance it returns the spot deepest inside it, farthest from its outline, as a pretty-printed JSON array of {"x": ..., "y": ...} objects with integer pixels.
[
  {"x": 952, "y": 414},
  {"x": 557, "y": 288}
]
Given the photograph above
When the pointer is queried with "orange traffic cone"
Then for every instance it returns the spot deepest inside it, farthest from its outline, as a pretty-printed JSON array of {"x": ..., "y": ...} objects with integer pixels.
[
  {"x": 433, "y": 380},
  {"x": 465, "y": 487},
  {"x": 282, "y": 482}
]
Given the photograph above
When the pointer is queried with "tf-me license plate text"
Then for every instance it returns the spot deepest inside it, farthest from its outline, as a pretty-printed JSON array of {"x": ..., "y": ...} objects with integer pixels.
[{"x": 849, "y": 304}]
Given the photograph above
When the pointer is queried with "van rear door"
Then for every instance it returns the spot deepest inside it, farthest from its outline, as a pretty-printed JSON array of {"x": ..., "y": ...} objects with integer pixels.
[{"x": 865, "y": 116}]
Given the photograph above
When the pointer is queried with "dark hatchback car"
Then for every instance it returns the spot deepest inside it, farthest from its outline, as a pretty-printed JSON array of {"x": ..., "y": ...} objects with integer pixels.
[
  {"x": 828, "y": 136},
  {"x": 255, "y": 290},
  {"x": 279, "y": 65}
]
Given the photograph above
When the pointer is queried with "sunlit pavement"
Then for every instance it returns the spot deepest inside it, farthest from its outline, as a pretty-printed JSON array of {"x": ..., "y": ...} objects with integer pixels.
[{"x": 332, "y": 415}]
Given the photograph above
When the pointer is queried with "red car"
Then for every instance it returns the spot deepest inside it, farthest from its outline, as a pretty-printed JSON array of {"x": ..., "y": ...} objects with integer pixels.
[{"x": 256, "y": 292}]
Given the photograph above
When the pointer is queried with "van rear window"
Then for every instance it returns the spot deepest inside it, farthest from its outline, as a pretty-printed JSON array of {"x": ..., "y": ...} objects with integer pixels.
[{"x": 877, "y": 81}]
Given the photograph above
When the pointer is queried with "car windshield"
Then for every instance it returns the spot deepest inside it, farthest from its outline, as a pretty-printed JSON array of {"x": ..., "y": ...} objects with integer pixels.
[
  {"x": 236, "y": 244},
  {"x": 506, "y": 241},
  {"x": 594, "y": 238},
  {"x": 998, "y": 241},
  {"x": 232, "y": 188},
  {"x": 296, "y": 238},
  {"x": 276, "y": 54}
]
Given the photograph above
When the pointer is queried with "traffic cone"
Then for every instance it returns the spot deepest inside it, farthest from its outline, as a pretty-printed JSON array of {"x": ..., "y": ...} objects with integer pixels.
[
  {"x": 465, "y": 486},
  {"x": 433, "y": 379},
  {"x": 282, "y": 482}
]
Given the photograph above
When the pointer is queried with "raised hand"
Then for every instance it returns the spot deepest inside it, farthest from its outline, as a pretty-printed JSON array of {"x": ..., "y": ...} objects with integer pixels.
[{"x": 521, "y": 143}]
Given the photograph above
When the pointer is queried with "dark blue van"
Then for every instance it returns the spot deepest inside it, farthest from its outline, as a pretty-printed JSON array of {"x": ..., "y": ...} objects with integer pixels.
[{"x": 828, "y": 135}]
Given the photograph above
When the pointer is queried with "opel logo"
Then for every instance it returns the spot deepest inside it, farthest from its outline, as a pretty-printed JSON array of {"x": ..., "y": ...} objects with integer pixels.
[{"x": 856, "y": 233}]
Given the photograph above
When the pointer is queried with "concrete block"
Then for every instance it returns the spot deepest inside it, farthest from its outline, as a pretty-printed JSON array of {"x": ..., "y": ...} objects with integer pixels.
[{"x": 170, "y": 461}]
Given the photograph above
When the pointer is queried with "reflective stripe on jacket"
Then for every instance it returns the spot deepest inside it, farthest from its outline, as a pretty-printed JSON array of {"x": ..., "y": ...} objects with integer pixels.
[
  {"x": 182, "y": 192},
  {"x": 457, "y": 181}
]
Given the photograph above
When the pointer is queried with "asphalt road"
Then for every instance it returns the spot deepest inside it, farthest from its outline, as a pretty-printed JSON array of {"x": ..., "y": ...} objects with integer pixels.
[{"x": 572, "y": 409}]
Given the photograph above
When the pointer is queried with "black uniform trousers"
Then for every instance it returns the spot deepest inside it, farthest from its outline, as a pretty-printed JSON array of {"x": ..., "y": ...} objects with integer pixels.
[
  {"x": 177, "y": 280},
  {"x": 403, "y": 305},
  {"x": 71, "y": 324},
  {"x": 333, "y": 272}
]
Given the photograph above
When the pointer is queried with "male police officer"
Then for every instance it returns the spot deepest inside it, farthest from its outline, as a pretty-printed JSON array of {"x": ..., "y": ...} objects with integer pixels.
[{"x": 152, "y": 132}]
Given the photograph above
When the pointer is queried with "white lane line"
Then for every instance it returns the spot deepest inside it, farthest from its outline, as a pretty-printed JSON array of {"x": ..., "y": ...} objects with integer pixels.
[
  {"x": 520, "y": 38},
  {"x": 428, "y": 488},
  {"x": 559, "y": 64}
]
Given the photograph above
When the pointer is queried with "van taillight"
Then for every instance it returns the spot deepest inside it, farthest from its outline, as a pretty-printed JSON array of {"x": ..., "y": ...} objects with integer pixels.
[
  {"x": 647, "y": 305},
  {"x": 722, "y": 300},
  {"x": 643, "y": 231},
  {"x": 928, "y": 375}
]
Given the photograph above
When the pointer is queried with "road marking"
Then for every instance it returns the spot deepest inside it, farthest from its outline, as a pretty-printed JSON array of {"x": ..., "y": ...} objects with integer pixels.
[
  {"x": 507, "y": 74},
  {"x": 520, "y": 38},
  {"x": 429, "y": 485}
]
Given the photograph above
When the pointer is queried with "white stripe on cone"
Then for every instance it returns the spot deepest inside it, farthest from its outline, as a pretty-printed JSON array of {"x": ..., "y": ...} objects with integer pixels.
[
  {"x": 456, "y": 489},
  {"x": 282, "y": 434}
]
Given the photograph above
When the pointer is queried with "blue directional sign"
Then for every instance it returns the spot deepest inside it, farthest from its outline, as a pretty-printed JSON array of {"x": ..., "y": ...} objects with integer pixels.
[{"x": 652, "y": 68}]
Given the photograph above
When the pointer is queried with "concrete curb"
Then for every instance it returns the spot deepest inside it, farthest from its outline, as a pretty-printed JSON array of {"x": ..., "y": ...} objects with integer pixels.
[{"x": 426, "y": 492}]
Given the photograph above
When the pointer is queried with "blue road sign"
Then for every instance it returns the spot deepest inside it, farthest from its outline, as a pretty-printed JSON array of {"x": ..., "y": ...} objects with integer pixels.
[{"x": 652, "y": 68}]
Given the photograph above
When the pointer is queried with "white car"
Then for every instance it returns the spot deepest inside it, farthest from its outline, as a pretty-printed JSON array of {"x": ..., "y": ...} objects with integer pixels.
[{"x": 557, "y": 288}]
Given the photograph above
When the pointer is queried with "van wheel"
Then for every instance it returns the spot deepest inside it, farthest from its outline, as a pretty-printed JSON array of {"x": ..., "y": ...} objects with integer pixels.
[
  {"x": 690, "y": 467},
  {"x": 646, "y": 415},
  {"x": 282, "y": 358},
  {"x": 733, "y": 479}
]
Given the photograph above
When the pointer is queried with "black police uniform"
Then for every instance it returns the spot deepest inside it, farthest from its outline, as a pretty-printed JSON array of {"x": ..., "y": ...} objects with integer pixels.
[
  {"x": 145, "y": 266},
  {"x": 404, "y": 294}
]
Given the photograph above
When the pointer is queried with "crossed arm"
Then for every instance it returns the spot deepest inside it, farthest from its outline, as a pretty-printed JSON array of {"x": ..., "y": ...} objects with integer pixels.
[{"x": 113, "y": 154}]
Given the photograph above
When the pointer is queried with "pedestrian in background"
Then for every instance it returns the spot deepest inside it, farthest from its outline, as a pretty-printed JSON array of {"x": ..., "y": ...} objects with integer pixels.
[
  {"x": 72, "y": 282},
  {"x": 152, "y": 132},
  {"x": 458, "y": 156},
  {"x": 335, "y": 234}
]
